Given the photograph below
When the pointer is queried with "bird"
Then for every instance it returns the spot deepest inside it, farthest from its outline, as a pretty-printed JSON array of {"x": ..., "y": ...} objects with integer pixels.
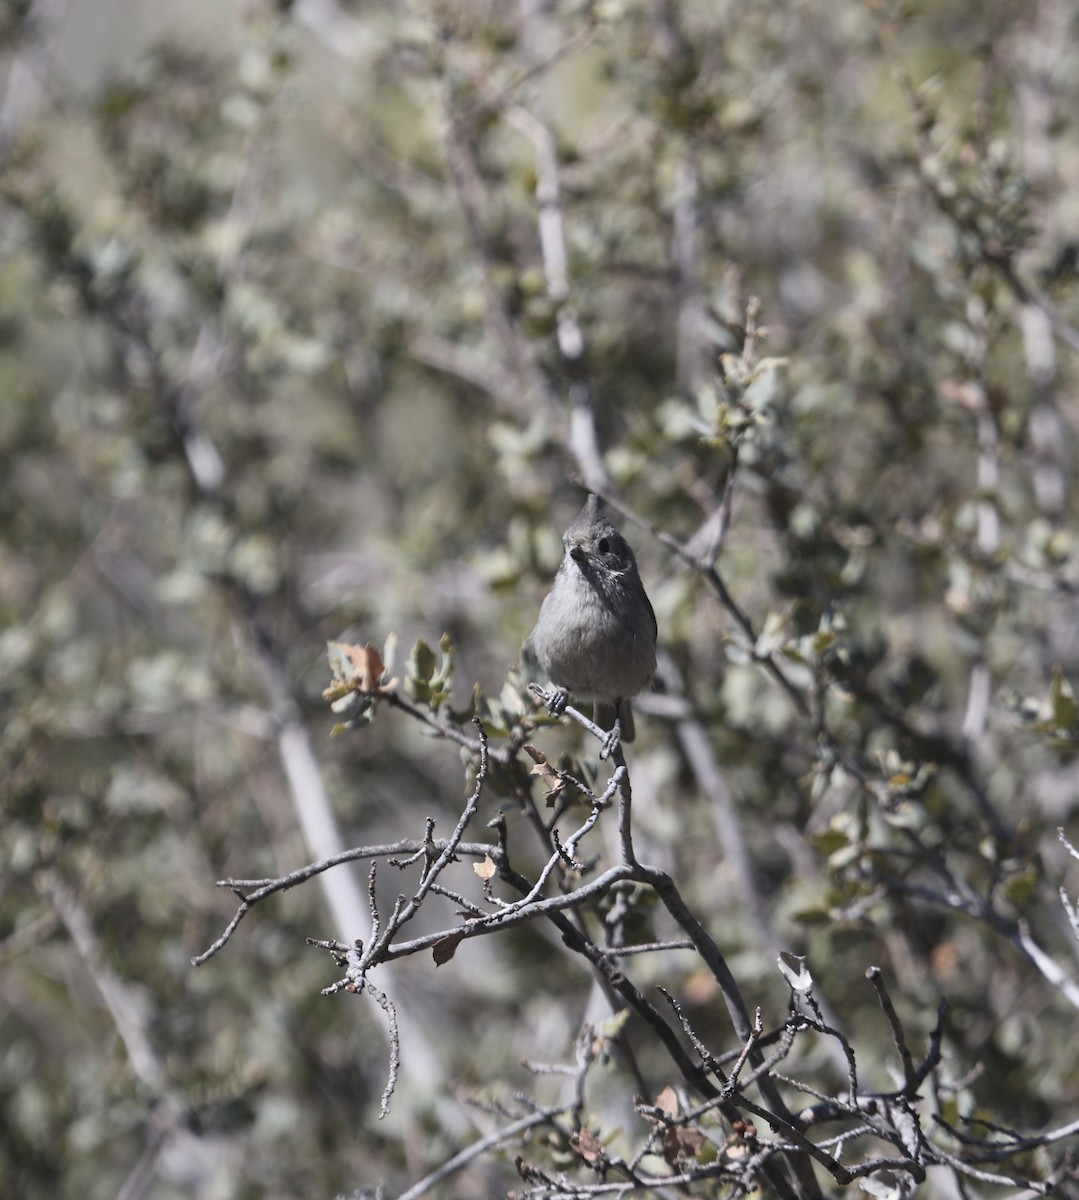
[{"x": 595, "y": 637}]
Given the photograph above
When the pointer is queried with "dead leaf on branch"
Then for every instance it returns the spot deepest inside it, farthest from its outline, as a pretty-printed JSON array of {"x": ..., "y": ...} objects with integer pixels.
[
  {"x": 668, "y": 1101},
  {"x": 485, "y": 869},
  {"x": 742, "y": 1141},
  {"x": 445, "y": 948},
  {"x": 586, "y": 1142},
  {"x": 545, "y": 771},
  {"x": 794, "y": 970},
  {"x": 682, "y": 1142},
  {"x": 357, "y": 669}
]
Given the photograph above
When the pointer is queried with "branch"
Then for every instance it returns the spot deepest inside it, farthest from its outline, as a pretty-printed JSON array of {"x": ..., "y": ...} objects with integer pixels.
[
  {"x": 451, "y": 732},
  {"x": 386, "y": 1004},
  {"x": 120, "y": 1000},
  {"x": 269, "y": 887},
  {"x": 452, "y": 1165},
  {"x": 874, "y": 975}
]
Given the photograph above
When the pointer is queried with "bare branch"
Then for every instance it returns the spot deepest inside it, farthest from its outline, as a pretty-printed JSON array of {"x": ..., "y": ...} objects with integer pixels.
[
  {"x": 875, "y": 977},
  {"x": 269, "y": 887},
  {"x": 386, "y": 1004},
  {"x": 499, "y": 1137}
]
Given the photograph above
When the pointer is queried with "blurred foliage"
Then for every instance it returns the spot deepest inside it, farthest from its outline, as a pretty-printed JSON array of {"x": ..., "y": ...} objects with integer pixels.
[{"x": 279, "y": 359}]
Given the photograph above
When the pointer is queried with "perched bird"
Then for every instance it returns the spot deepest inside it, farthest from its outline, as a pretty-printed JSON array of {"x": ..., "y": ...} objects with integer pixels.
[{"x": 596, "y": 632}]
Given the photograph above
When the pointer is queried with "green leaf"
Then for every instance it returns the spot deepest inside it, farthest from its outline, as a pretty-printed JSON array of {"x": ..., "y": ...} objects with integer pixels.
[
  {"x": 418, "y": 672},
  {"x": 421, "y": 663},
  {"x": 812, "y": 916},
  {"x": 828, "y": 841},
  {"x": 1021, "y": 887},
  {"x": 440, "y": 679}
]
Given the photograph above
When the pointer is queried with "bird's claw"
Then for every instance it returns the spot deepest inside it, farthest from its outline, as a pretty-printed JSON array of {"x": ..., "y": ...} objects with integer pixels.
[
  {"x": 612, "y": 741},
  {"x": 556, "y": 700}
]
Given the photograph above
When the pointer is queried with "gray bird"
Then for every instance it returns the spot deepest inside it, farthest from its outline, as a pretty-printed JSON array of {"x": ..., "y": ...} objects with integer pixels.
[{"x": 596, "y": 633}]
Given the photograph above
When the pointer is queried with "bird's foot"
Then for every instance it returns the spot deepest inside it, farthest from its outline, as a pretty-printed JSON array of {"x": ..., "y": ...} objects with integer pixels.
[
  {"x": 556, "y": 700},
  {"x": 612, "y": 741}
]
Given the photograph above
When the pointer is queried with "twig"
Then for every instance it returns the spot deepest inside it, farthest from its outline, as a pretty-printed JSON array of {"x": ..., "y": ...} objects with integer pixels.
[
  {"x": 625, "y": 807},
  {"x": 707, "y": 1059},
  {"x": 964, "y": 1167},
  {"x": 875, "y": 977},
  {"x": 462, "y": 1159},
  {"x": 404, "y": 911},
  {"x": 569, "y": 711},
  {"x": 450, "y": 732},
  {"x": 649, "y": 948},
  {"x": 537, "y": 888},
  {"x": 120, "y": 1001},
  {"x": 747, "y": 1050},
  {"x": 510, "y": 918},
  {"x": 464, "y": 362},
  {"x": 386, "y": 1004},
  {"x": 1050, "y": 969},
  {"x": 732, "y": 997},
  {"x": 821, "y": 1026},
  {"x": 142, "y": 1175},
  {"x": 1015, "y": 1143},
  {"x": 269, "y": 887}
]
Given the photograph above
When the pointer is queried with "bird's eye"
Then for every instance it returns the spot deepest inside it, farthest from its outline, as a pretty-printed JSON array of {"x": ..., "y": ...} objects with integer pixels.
[{"x": 604, "y": 545}]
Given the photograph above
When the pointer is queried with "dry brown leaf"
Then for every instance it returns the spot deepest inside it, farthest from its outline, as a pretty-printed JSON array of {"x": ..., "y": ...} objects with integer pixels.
[
  {"x": 485, "y": 869},
  {"x": 668, "y": 1101},
  {"x": 588, "y": 1145},
  {"x": 742, "y": 1141},
  {"x": 681, "y": 1143},
  {"x": 368, "y": 669},
  {"x": 445, "y": 948},
  {"x": 545, "y": 771}
]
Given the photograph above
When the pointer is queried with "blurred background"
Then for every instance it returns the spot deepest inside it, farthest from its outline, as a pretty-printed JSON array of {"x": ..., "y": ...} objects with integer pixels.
[{"x": 286, "y": 357}]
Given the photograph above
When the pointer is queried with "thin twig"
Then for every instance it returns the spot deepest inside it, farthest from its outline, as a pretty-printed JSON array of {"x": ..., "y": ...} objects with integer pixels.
[
  {"x": 386, "y": 1004},
  {"x": 464, "y": 1157},
  {"x": 875, "y": 976},
  {"x": 269, "y": 887}
]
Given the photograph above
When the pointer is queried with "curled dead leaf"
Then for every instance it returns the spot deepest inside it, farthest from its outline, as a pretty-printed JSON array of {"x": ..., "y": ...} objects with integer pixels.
[{"x": 545, "y": 771}]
